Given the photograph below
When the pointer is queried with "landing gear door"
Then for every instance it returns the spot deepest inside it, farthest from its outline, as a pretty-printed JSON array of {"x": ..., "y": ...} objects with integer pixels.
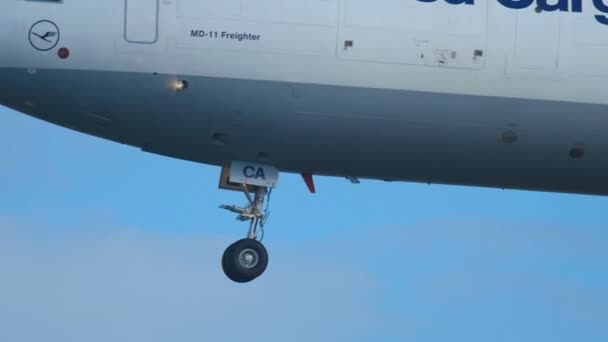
[
  {"x": 253, "y": 174},
  {"x": 141, "y": 21}
]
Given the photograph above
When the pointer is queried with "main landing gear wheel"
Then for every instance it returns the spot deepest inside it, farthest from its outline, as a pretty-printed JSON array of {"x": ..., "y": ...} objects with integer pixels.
[{"x": 245, "y": 260}]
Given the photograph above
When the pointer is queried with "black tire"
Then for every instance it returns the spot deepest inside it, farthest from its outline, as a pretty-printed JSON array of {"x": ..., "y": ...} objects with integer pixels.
[
  {"x": 235, "y": 269},
  {"x": 227, "y": 254}
]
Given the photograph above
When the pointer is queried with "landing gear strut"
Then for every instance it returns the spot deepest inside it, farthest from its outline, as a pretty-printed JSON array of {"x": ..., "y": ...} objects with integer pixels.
[{"x": 247, "y": 259}]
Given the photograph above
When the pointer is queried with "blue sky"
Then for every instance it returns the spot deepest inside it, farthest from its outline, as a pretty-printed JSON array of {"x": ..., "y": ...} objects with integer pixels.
[{"x": 100, "y": 241}]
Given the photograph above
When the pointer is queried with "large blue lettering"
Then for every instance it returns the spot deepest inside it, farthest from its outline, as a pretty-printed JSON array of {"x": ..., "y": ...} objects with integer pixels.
[
  {"x": 602, "y": 7},
  {"x": 574, "y": 6},
  {"x": 454, "y": 2},
  {"x": 561, "y": 5},
  {"x": 516, "y": 4},
  {"x": 460, "y": 2}
]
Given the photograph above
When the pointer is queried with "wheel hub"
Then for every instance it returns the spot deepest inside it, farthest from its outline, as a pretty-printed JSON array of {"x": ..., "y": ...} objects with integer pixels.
[{"x": 248, "y": 258}]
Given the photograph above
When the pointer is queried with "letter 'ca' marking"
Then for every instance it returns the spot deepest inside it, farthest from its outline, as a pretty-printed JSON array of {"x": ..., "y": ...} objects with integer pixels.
[{"x": 251, "y": 172}]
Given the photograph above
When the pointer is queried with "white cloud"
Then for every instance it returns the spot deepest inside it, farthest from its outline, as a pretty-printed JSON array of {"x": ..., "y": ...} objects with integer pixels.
[
  {"x": 475, "y": 281},
  {"x": 126, "y": 285}
]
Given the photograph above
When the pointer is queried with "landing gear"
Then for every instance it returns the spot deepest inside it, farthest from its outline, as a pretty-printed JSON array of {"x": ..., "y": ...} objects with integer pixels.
[{"x": 247, "y": 259}]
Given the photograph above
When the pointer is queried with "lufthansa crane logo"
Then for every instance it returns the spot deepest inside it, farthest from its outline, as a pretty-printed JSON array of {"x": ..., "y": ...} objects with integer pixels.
[{"x": 44, "y": 35}]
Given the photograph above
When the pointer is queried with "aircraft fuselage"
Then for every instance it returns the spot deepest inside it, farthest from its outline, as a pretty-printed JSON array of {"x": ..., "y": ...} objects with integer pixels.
[{"x": 455, "y": 92}]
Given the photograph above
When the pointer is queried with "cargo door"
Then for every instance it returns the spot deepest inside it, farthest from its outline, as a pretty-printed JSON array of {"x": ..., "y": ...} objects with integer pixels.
[
  {"x": 141, "y": 21},
  {"x": 536, "y": 54}
]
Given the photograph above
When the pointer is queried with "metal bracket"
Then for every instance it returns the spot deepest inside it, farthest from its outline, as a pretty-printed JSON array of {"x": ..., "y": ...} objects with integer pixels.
[{"x": 254, "y": 212}]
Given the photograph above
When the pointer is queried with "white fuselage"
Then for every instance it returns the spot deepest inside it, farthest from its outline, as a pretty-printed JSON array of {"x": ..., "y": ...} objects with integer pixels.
[{"x": 429, "y": 91}]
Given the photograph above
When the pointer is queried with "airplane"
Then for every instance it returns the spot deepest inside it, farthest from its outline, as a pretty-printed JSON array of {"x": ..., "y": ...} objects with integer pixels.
[{"x": 497, "y": 93}]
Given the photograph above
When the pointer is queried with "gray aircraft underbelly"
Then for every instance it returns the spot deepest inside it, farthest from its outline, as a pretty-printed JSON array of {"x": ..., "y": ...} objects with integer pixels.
[{"x": 330, "y": 130}]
